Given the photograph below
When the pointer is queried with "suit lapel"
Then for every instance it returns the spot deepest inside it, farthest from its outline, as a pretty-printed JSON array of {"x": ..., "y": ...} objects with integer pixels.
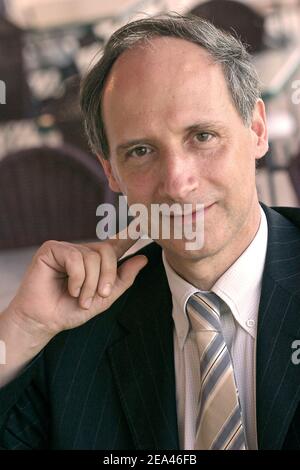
[
  {"x": 143, "y": 362},
  {"x": 278, "y": 379}
]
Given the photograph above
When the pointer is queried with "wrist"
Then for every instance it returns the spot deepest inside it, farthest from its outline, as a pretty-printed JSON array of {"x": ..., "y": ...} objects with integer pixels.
[
  {"x": 20, "y": 343},
  {"x": 20, "y": 332}
]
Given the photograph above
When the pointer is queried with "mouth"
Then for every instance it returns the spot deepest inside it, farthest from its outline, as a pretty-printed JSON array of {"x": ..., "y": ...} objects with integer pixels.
[
  {"x": 207, "y": 208},
  {"x": 189, "y": 217}
]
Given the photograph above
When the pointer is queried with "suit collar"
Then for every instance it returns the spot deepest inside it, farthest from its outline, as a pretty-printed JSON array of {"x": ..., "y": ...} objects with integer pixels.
[
  {"x": 147, "y": 394},
  {"x": 278, "y": 391}
]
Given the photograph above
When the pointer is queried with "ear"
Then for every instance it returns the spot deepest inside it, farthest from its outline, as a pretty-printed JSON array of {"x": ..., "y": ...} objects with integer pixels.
[
  {"x": 259, "y": 130},
  {"x": 108, "y": 170}
]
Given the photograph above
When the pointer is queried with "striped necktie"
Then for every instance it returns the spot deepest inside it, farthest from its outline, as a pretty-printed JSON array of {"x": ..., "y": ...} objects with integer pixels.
[{"x": 219, "y": 422}]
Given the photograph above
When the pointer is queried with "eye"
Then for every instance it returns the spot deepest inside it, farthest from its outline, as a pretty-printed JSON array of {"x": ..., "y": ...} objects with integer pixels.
[
  {"x": 203, "y": 136},
  {"x": 139, "y": 152}
]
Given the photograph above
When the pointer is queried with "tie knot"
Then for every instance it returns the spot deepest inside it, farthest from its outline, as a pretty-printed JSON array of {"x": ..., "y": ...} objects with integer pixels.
[{"x": 204, "y": 311}]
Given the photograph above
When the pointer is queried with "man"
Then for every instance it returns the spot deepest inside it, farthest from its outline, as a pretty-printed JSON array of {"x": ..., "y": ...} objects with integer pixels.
[{"x": 173, "y": 111}]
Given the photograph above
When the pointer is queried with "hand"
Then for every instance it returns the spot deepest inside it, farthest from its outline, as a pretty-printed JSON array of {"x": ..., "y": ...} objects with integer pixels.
[{"x": 68, "y": 284}]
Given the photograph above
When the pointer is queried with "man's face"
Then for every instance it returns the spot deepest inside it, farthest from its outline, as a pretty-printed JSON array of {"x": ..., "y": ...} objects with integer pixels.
[{"x": 176, "y": 137}]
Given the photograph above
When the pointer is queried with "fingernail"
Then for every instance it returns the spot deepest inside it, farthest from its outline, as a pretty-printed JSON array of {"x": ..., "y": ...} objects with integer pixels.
[
  {"x": 87, "y": 303},
  {"x": 77, "y": 292},
  {"x": 105, "y": 290}
]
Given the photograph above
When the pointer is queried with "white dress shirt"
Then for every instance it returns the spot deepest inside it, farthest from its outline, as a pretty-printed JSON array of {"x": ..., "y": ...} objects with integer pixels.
[{"x": 240, "y": 288}]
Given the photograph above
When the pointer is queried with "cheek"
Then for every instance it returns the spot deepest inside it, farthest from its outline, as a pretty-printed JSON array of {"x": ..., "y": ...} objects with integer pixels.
[
  {"x": 137, "y": 186},
  {"x": 233, "y": 175},
  {"x": 242, "y": 185},
  {"x": 240, "y": 166}
]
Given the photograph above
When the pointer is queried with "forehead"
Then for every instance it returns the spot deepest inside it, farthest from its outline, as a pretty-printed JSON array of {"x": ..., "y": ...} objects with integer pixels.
[{"x": 169, "y": 77}]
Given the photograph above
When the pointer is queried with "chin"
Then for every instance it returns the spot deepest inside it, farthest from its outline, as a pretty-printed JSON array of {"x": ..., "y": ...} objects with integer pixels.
[
  {"x": 208, "y": 243},
  {"x": 178, "y": 248}
]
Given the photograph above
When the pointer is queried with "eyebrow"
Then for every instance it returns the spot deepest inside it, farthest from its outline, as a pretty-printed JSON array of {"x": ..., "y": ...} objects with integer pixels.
[{"x": 196, "y": 126}]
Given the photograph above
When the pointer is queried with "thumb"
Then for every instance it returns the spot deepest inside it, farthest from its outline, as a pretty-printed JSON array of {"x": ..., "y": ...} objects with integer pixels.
[{"x": 128, "y": 270}]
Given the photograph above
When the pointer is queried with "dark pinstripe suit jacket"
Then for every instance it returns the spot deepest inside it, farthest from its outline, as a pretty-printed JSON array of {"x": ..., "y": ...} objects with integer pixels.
[{"x": 110, "y": 384}]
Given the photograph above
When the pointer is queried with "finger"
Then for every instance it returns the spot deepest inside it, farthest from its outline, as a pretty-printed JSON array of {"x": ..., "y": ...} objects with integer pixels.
[
  {"x": 65, "y": 259},
  {"x": 92, "y": 265},
  {"x": 76, "y": 269},
  {"x": 76, "y": 273},
  {"x": 126, "y": 276},
  {"x": 108, "y": 272},
  {"x": 121, "y": 242},
  {"x": 128, "y": 271}
]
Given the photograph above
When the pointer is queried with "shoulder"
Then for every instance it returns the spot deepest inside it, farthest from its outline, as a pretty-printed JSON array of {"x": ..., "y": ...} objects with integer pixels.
[
  {"x": 292, "y": 214},
  {"x": 283, "y": 217}
]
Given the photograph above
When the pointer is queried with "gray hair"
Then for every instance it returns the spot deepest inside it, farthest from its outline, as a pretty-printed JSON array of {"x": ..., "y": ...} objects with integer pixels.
[{"x": 224, "y": 49}]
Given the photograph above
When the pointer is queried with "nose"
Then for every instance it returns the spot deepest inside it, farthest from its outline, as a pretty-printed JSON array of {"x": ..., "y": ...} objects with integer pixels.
[{"x": 178, "y": 178}]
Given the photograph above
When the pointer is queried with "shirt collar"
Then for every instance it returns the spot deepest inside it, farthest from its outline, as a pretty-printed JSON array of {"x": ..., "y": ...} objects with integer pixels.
[{"x": 239, "y": 286}]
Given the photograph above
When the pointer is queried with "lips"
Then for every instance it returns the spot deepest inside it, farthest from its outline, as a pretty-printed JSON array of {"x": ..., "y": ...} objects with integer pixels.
[
  {"x": 186, "y": 213},
  {"x": 194, "y": 212},
  {"x": 197, "y": 215},
  {"x": 206, "y": 208}
]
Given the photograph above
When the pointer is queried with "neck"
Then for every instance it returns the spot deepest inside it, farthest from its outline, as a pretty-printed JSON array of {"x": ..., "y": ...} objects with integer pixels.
[{"x": 203, "y": 272}]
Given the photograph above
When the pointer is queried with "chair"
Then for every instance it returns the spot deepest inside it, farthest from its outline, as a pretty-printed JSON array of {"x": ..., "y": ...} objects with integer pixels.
[
  {"x": 12, "y": 72},
  {"x": 67, "y": 115},
  {"x": 49, "y": 193},
  {"x": 236, "y": 18},
  {"x": 2, "y": 8}
]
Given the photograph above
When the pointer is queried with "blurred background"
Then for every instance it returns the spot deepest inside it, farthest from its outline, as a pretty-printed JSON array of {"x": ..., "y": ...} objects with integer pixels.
[{"x": 50, "y": 182}]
